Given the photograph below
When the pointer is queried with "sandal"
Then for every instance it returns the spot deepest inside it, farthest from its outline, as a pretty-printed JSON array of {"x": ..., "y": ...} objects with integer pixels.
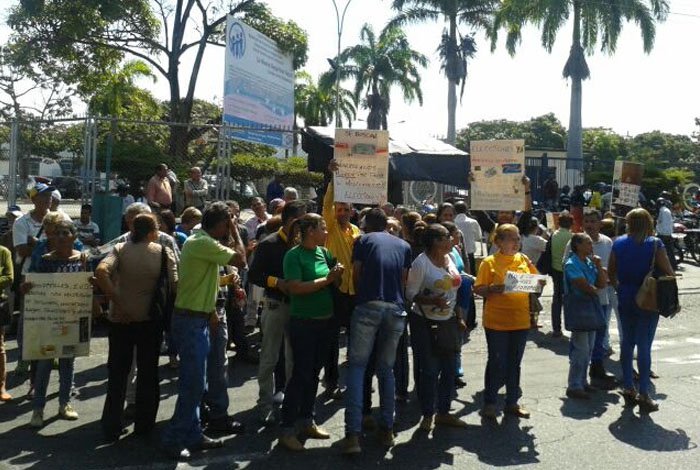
[
  {"x": 630, "y": 397},
  {"x": 646, "y": 404}
]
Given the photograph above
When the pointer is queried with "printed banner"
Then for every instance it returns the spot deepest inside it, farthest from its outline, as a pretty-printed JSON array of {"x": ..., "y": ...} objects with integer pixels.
[
  {"x": 258, "y": 86},
  {"x": 521, "y": 282},
  {"x": 498, "y": 167},
  {"x": 627, "y": 183},
  {"x": 363, "y": 166},
  {"x": 57, "y": 316}
]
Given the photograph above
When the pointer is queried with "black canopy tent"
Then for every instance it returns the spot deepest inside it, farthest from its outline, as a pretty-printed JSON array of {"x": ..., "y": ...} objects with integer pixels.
[{"x": 411, "y": 158}]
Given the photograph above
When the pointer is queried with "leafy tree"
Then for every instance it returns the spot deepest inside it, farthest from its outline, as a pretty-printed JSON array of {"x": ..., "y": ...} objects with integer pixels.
[
  {"x": 91, "y": 34},
  {"x": 378, "y": 64},
  {"x": 663, "y": 149},
  {"x": 593, "y": 22},
  {"x": 315, "y": 101},
  {"x": 455, "y": 49},
  {"x": 118, "y": 96},
  {"x": 541, "y": 132}
]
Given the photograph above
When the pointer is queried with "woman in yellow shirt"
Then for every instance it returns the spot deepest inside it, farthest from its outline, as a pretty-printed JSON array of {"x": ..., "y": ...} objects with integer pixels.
[{"x": 506, "y": 321}]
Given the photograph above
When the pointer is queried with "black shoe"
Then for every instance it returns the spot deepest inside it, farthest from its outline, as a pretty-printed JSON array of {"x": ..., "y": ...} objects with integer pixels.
[
  {"x": 176, "y": 452},
  {"x": 226, "y": 426},
  {"x": 597, "y": 371},
  {"x": 207, "y": 443},
  {"x": 459, "y": 383}
]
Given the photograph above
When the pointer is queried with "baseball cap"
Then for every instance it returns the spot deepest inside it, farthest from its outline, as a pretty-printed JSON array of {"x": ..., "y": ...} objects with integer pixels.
[
  {"x": 56, "y": 194},
  {"x": 39, "y": 188},
  {"x": 14, "y": 210}
]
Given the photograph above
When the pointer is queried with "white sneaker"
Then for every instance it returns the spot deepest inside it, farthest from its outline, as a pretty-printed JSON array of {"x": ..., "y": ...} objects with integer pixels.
[
  {"x": 37, "y": 419},
  {"x": 278, "y": 398},
  {"x": 67, "y": 412}
]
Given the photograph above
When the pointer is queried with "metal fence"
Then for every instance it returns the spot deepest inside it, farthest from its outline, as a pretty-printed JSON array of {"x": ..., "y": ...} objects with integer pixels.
[{"x": 95, "y": 153}]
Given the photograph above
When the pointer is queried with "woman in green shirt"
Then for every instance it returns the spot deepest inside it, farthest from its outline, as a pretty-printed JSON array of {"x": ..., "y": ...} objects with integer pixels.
[{"x": 309, "y": 271}]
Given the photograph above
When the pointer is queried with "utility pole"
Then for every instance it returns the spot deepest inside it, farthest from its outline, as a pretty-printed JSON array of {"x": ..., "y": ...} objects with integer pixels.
[{"x": 340, "y": 21}]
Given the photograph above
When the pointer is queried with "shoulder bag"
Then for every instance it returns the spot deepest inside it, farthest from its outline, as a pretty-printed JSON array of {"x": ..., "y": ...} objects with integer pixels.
[
  {"x": 163, "y": 301},
  {"x": 581, "y": 312},
  {"x": 658, "y": 295}
]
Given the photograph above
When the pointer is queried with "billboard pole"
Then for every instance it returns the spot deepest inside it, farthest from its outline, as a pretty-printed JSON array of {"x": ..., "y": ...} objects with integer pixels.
[{"x": 340, "y": 21}]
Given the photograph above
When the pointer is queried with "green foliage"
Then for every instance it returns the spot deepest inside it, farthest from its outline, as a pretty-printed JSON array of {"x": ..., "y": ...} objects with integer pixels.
[
  {"x": 541, "y": 132},
  {"x": 376, "y": 65},
  {"x": 315, "y": 101},
  {"x": 663, "y": 149},
  {"x": 292, "y": 171},
  {"x": 603, "y": 145}
]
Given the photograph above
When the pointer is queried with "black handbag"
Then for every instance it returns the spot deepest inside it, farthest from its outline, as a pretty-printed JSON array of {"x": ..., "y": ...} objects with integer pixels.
[
  {"x": 667, "y": 296},
  {"x": 163, "y": 302},
  {"x": 445, "y": 336}
]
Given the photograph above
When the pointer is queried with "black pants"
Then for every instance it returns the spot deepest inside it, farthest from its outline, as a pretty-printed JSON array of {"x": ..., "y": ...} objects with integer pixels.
[
  {"x": 235, "y": 319},
  {"x": 670, "y": 250},
  {"x": 401, "y": 366},
  {"x": 146, "y": 337},
  {"x": 309, "y": 340},
  {"x": 343, "y": 305}
]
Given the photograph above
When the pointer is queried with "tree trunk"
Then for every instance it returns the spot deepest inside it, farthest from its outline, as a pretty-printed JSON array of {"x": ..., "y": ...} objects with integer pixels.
[
  {"x": 452, "y": 91},
  {"x": 574, "y": 148}
]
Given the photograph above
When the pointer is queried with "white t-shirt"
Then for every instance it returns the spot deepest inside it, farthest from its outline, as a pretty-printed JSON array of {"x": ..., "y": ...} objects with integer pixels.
[
  {"x": 23, "y": 228},
  {"x": 88, "y": 230},
  {"x": 427, "y": 279},
  {"x": 533, "y": 246},
  {"x": 664, "y": 223},
  {"x": 471, "y": 231}
]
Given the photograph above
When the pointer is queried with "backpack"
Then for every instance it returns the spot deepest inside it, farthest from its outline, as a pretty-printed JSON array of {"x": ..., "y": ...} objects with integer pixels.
[{"x": 544, "y": 264}]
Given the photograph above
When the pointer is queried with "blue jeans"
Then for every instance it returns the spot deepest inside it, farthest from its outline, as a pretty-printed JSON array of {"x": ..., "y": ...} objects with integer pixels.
[
  {"x": 41, "y": 381},
  {"x": 505, "y": 350},
  {"x": 638, "y": 329},
  {"x": 436, "y": 374},
  {"x": 580, "y": 347},
  {"x": 599, "y": 348},
  {"x": 216, "y": 395},
  {"x": 384, "y": 323},
  {"x": 310, "y": 340},
  {"x": 191, "y": 336}
]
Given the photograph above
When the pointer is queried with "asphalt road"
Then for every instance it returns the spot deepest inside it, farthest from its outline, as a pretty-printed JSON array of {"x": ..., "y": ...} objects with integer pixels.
[{"x": 561, "y": 433}]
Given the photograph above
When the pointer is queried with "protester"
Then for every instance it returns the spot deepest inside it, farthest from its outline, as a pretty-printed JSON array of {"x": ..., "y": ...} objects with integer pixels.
[
  {"x": 506, "y": 321},
  {"x": 630, "y": 261},
  {"x": 432, "y": 285},
  {"x": 189, "y": 219},
  {"x": 267, "y": 271},
  {"x": 275, "y": 190},
  {"x": 341, "y": 238},
  {"x": 578, "y": 201},
  {"x": 62, "y": 259},
  {"x": 196, "y": 189},
  {"x": 664, "y": 229},
  {"x": 260, "y": 215},
  {"x": 290, "y": 194},
  {"x": 6, "y": 309},
  {"x": 380, "y": 268},
  {"x": 159, "y": 194},
  {"x": 388, "y": 209},
  {"x": 532, "y": 245},
  {"x": 128, "y": 277},
  {"x": 27, "y": 229},
  {"x": 560, "y": 238},
  {"x": 88, "y": 231},
  {"x": 471, "y": 233},
  {"x": 195, "y": 314},
  {"x": 585, "y": 276},
  {"x": 13, "y": 213},
  {"x": 309, "y": 271},
  {"x": 168, "y": 223}
]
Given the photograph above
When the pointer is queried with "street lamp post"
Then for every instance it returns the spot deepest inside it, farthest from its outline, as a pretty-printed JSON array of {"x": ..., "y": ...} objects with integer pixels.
[{"x": 340, "y": 20}]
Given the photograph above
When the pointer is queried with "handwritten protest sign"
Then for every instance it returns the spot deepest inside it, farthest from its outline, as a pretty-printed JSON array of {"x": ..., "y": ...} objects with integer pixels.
[
  {"x": 552, "y": 220},
  {"x": 521, "y": 282},
  {"x": 57, "y": 314},
  {"x": 363, "y": 166},
  {"x": 627, "y": 183},
  {"x": 497, "y": 167}
]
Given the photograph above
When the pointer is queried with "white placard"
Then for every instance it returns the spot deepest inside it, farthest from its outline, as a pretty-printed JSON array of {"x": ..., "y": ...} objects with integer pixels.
[
  {"x": 57, "y": 316},
  {"x": 363, "y": 166},
  {"x": 522, "y": 282},
  {"x": 498, "y": 167}
]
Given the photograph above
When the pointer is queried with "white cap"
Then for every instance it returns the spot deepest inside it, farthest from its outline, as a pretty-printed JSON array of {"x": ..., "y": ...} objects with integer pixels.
[{"x": 56, "y": 194}]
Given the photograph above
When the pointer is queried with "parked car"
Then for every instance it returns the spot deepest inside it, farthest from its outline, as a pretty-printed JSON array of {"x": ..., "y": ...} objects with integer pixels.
[
  {"x": 70, "y": 188},
  {"x": 238, "y": 190}
]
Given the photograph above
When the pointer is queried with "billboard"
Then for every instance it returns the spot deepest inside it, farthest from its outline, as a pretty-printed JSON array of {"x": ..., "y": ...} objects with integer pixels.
[{"x": 258, "y": 86}]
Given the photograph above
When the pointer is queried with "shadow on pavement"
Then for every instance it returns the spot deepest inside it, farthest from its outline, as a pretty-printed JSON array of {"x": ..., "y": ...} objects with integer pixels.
[{"x": 642, "y": 432}]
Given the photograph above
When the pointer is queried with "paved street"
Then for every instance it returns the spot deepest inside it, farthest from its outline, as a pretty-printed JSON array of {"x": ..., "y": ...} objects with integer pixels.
[{"x": 560, "y": 434}]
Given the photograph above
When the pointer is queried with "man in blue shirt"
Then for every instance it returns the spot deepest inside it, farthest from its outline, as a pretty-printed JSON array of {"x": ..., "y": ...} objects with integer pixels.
[{"x": 380, "y": 268}]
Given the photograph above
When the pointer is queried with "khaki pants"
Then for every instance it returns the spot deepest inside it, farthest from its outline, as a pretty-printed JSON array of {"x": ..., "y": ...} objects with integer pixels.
[{"x": 274, "y": 325}]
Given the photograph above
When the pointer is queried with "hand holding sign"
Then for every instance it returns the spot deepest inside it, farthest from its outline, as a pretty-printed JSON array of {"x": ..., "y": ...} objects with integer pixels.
[{"x": 521, "y": 282}]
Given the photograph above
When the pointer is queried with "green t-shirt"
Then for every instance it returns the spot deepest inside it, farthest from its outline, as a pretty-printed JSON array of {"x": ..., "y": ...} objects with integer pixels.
[
  {"x": 307, "y": 265},
  {"x": 198, "y": 280},
  {"x": 559, "y": 240}
]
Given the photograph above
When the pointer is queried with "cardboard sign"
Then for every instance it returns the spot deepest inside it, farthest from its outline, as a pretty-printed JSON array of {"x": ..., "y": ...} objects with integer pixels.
[
  {"x": 57, "y": 316},
  {"x": 522, "y": 282},
  {"x": 498, "y": 167},
  {"x": 627, "y": 183},
  {"x": 363, "y": 166}
]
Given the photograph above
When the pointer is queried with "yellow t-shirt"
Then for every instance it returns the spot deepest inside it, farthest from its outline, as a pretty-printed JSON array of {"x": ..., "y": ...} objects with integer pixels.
[
  {"x": 507, "y": 311},
  {"x": 340, "y": 241}
]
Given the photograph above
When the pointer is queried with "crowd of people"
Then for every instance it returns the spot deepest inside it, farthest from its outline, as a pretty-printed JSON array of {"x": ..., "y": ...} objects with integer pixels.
[{"x": 390, "y": 278}]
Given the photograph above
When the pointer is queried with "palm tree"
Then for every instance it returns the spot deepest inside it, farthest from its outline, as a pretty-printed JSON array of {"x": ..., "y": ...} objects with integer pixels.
[
  {"x": 378, "y": 64},
  {"x": 315, "y": 101},
  {"x": 118, "y": 94},
  {"x": 455, "y": 49},
  {"x": 593, "y": 21}
]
